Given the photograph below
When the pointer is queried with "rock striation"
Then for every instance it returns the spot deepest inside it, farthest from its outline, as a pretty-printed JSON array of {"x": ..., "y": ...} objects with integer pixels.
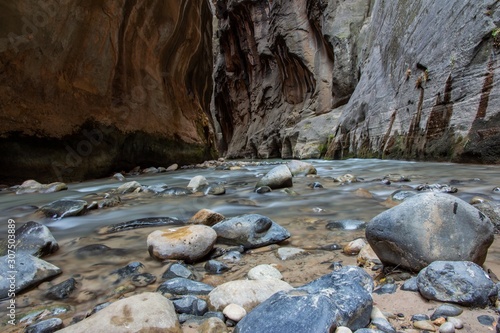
[{"x": 363, "y": 78}]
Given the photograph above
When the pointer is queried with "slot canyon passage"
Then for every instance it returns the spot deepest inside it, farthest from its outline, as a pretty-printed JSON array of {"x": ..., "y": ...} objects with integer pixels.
[{"x": 249, "y": 166}]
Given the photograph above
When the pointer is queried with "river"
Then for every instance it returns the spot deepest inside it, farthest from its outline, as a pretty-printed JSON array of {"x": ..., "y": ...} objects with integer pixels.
[{"x": 305, "y": 213}]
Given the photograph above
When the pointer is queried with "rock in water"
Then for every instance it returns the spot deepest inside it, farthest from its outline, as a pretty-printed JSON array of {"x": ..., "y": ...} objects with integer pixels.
[
  {"x": 460, "y": 282},
  {"x": 139, "y": 223},
  {"x": 188, "y": 243},
  {"x": 146, "y": 312},
  {"x": 29, "y": 272},
  {"x": 277, "y": 177},
  {"x": 63, "y": 208},
  {"x": 32, "y": 238},
  {"x": 301, "y": 168},
  {"x": 251, "y": 231},
  {"x": 429, "y": 227},
  {"x": 341, "y": 298}
]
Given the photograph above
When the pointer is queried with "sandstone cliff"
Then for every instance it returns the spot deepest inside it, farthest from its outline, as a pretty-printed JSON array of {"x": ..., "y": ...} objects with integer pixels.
[
  {"x": 394, "y": 79},
  {"x": 89, "y": 87}
]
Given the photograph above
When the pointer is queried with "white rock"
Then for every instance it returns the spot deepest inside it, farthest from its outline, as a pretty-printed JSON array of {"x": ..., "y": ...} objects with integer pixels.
[
  {"x": 343, "y": 329},
  {"x": 457, "y": 322},
  {"x": 129, "y": 187},
  {"x": 354, "y": 247},
  {"x": 196, "y": 182},
  {"x": 447, "y": 328},
  {"x": 264, "y": 272},
  {"x": 185, "y": 243},
  {"x": 285, "y": 253},
  {"x": 234, "y": 312},
  {"x": 146, "y": 312},
  {"x": 245, "y": 293}
]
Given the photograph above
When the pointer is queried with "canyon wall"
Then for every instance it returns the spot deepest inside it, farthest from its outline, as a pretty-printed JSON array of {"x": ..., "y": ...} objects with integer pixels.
[
  {"x": 90, "y": 87},
  {"x": 336, "y": 79}
]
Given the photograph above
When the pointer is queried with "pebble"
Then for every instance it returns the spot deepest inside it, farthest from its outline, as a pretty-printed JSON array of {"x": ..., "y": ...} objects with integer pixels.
[
  {"x": 215, "y": 267},
  {"x": 456, "y": 322},
  {"x": 447, "y": 328},
  {"x": 447, "y": 310},
  {"x": 486, "y": 320},
  {"x": 424, "y": 325},
  {"x": 354, "y": 247},
  {"x": 388, "y": 288},
  {"x": 234, "y": 312},
  {"x": 285, "y": 253},
  {"x": 343, "y": 329},
  {"x": 177, "y": 270},
  {"x": 212, "y": 325}
]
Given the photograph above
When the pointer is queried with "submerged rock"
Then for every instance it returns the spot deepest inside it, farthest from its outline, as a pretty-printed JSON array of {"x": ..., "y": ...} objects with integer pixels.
[
  {"x": 139, "y": 223},
  {"x": 189, "y": 243},
  {"x": 430, "y": 227},
  {"x": 460, "y": 282},
  {"x": 63, "y": 208},
  {"x": 62, "y": 290},
  {"x": 346, "y": 225},
  {"x": 250, "y": 231}
]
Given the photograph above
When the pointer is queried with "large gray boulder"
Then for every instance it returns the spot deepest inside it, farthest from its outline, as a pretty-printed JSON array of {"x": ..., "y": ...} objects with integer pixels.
[
  {"x": 461, "y": 282},
  {"x": 251, "y": 231},
  {"x": 341, "y": 298},
  {"x": 430, "y": 227}
]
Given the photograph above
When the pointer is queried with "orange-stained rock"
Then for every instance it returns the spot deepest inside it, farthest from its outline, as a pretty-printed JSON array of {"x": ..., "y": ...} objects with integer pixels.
[{"x": 188, "y": 243}]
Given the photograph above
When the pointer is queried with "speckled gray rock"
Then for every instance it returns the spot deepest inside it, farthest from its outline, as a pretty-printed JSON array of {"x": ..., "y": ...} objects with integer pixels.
[
  {"x": 250, "y": 231},
  {"x": 341, "y": 298},
  {"x": 29, "y": 272},
  {"x": 190, "y": 304},
  {"x": 460, "y": 282},
  {"x": 429, "y": 227},
  {"x": 32, "y": 238},
  {"x": 45, "y": 326},
  {"x": 63, "y": 208},
  {"x": 182, "y": 286}
]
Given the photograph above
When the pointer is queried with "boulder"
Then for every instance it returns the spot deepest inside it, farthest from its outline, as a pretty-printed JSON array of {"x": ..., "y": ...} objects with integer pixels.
[
  {"x": 461, "y": 282},
  {"x": 32, "y": 238},
  {"x": 341, "y": 298},
  {"x": 492, "y": 210},
  {"x": 428, "y": 227},
  {"x": 300, "y": 168},
  {"x": 245, "y": 293},
  {"x": 146, "y": 312},
  {"x": 278, "y": 177},
  {"x": 188, "y": 243},
  {"x": 24, "y": 272},
  {"x": 250, "y": 231}
]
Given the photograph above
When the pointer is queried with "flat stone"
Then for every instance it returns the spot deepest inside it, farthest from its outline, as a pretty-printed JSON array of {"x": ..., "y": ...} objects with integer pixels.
[
  {"x": 286, "y": 253},
  {"x": 63, "y": 208},
  {"x": 262, "y": 272},
  {"x": 181, "y": 286}
]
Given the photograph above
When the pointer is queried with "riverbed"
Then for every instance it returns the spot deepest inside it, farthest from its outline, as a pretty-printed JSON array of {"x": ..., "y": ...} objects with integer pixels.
[{"x": 305, "y": 210}]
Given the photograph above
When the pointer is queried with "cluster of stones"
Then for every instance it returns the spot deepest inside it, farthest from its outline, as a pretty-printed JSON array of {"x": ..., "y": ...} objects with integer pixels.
[{"x": 439, "y": 238}]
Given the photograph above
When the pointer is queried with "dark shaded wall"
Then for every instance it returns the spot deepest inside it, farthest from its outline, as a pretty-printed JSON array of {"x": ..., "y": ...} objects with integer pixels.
[{"x": 90, "y": 87}]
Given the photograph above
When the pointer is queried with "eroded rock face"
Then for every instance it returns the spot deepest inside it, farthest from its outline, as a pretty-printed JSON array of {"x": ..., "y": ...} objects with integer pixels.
[
  {"x": 92, "y": 87},
  {"x": 362, "y": 78}
]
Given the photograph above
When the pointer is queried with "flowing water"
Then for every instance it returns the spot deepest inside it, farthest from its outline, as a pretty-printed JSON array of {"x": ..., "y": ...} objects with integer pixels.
[{"x": 305, "y": 213}]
